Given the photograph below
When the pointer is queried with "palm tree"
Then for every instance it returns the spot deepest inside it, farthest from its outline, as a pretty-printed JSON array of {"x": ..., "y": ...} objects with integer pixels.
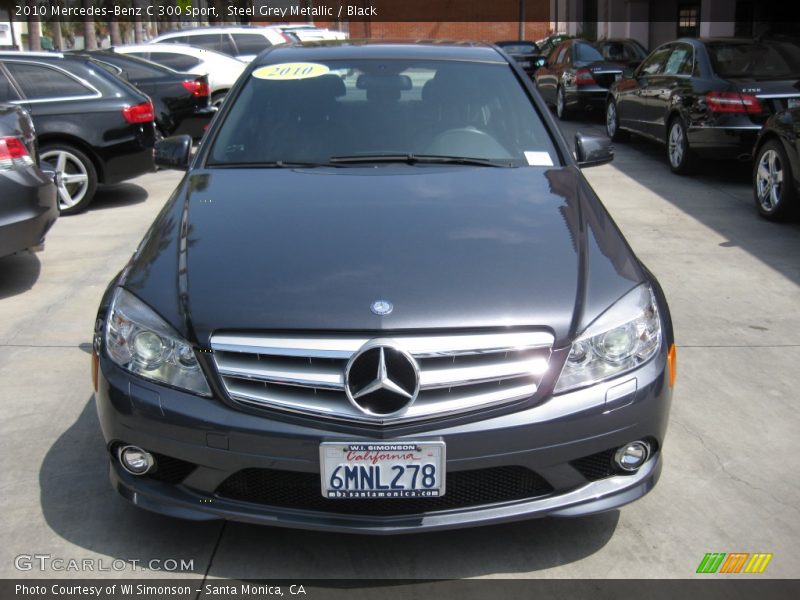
[
  {"x": 89, "y": 33},
  {"x": 34, "y": 30}
]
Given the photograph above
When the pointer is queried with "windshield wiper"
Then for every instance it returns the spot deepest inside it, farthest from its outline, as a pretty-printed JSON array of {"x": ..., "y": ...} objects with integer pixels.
[
  {"x": 414, "y": 159},
  {"x": 275, "y": 164}
]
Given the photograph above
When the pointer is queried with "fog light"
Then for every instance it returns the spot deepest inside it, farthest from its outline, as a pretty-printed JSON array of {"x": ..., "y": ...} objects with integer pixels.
[
  {"x": 135, "y": 460},
  {"x": 632, "y": 456}
]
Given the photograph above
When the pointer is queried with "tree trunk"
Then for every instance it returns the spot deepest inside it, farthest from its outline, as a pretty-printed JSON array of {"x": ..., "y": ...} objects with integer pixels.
[
  {"x": 116, "y": 36},
  {"x": 89, "y": 36},
  {"x": 89, "y": 33},
  {"x": 34, "y": 31},
  {"x": 58, "y": 38},
  {"x": 138, "y": 31}
]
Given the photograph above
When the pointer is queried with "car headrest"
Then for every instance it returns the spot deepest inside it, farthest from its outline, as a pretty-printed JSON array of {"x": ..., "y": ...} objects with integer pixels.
[{"x": 368, "y": 81}]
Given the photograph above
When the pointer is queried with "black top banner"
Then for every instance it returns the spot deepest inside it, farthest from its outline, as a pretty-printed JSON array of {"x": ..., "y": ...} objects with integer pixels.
[{"x": 247, "y": 11}]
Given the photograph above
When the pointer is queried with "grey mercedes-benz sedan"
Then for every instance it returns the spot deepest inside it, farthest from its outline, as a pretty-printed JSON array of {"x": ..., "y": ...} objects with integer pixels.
[{"x": 383, "y": 299}]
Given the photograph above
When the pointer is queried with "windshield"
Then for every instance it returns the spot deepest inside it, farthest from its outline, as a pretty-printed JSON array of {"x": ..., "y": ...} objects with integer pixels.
[
  {"x": 316, "y": 112},
  {"x": 756, "y": 60}
]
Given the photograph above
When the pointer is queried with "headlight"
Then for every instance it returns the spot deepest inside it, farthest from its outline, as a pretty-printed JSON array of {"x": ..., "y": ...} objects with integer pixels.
[
  {"x": 622, "y": 338},
  {"x": 138, "y": 340}
]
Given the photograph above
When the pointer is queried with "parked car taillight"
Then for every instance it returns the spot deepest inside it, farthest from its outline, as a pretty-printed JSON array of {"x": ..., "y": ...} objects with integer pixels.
[
  {"x": 584, "y": 77},
  {"x": 732, "y": 102},
  {"x": 13, "y": 154},
  {"x": 197, "y": 88},
  {"x": 139, "y": 113}
]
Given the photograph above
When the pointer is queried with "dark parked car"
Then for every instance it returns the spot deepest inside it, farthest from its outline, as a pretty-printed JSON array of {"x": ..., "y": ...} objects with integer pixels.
[
  {"x": 93, "y": 127},
  {"x": 181, "y": 101},
  {"x": 28, "y": 205},
  {"x": 623, "y": 51},
  {"x": 423, "y": 323},
  {"x": 576, "y": 76},
  {"x": 776, "y": 169},
  {"x": 551, "y": 42},
  {"x": 705, "y": 98},
  {"x": 526, "y": 54}
]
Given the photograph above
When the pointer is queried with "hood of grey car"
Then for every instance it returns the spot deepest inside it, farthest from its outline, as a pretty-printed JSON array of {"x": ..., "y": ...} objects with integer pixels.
[{"x": 450, "y": 247}]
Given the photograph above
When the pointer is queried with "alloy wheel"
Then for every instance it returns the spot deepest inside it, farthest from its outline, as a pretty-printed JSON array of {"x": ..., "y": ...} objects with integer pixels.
[
  {"x": 611, "y": 119},
  {"x": 72, "y": 177},
  {"x": 769, "y": 181},
  {"x": 676, "y": 142}
]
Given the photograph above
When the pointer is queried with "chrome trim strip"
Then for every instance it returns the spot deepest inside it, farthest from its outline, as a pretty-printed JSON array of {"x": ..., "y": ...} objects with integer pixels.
[
  {"x": 314, "y": 405},
  {"x": 421, "y": 346},
  {"x": 458, "y": 376},
  {"x": 769, "y": 96},
  {"x": 316, "y": 377}
]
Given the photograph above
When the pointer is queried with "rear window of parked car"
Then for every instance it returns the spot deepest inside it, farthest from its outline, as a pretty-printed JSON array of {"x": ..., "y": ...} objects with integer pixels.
[
  {"x": 179, "y": 62},
  {"x": 521, "y": 48},
  {"x": 40, "y": 82},
  {"x": 442, "y": 108},
  {"x": 586, "y": 53},
  {"x": 250, "y": 43},
  {"x": 759, "y": 60}
]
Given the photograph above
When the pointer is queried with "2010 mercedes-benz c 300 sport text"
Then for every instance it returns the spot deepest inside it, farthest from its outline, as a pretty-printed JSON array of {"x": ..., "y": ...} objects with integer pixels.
[{"x": 383, "y": 299}]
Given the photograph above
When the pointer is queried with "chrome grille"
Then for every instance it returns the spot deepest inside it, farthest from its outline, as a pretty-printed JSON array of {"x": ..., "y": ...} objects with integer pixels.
[{"x": 306, "y": 373}]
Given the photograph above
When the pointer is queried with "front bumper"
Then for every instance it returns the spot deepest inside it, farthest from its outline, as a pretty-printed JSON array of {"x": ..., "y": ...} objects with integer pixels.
[{"x": 221, "y": 441}]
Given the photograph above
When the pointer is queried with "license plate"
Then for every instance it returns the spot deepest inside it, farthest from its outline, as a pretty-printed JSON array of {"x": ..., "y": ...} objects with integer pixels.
[
  {"x": 617, "y": 76},
  {"x": 524, "y": 64},
  {"x": 382, "y": 469},
  {"x": 794, "y": 102}
]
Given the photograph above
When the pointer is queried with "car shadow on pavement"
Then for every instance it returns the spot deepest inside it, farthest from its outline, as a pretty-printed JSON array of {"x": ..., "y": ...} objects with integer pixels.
[
  {"x": 120, "y": 194},
  {"x": 79, "y": 505},
  {"x": 18, "y": 273}
]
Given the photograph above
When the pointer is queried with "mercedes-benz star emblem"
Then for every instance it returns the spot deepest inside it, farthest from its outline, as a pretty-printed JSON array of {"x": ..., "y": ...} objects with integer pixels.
[
  {"x": 382, "y": 307},
  {"x": 381, "y": 379}
]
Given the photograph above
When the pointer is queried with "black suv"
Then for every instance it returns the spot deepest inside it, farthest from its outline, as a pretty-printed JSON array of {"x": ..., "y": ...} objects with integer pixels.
[{"x": 93, "y": 127}]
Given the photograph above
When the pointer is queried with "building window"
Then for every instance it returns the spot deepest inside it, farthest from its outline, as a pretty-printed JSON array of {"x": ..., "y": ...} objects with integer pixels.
[{"x": 689, "y": 19}]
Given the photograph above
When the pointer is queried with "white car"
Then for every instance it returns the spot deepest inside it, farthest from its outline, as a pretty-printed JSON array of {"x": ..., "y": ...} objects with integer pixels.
[
  {"x": 241, "y": 42},
  {"x": 309, "y": 33},
  {"x": 222, "y": 70}
]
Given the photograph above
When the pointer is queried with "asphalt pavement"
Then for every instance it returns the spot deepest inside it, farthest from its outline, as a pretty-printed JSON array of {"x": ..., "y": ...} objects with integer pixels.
[{"x": 731, "y": 455}]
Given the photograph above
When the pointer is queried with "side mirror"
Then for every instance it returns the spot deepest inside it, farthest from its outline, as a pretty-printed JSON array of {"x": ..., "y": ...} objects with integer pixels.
[
  {"x": 173, "y": 152},
  {"x": 592, "y": 150}
]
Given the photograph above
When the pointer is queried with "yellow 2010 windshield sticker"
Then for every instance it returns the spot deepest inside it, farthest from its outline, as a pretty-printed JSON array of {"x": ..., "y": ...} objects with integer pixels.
[{"x": 287, "y": 71}]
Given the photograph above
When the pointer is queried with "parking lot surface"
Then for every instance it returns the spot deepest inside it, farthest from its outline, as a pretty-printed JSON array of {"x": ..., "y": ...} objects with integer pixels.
[{"x": 732, "y": 451}]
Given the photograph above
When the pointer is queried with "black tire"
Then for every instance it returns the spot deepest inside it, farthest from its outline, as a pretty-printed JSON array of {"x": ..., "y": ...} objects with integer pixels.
[
  {"x": 679, "y": 155},
  {"x": 562, "y": 112},
  {"x": 773, "y": 183},
  {"x": 75, "y": 195},
  {"x": 218, "y": 97},
  {"x": 614, "y": 132}
]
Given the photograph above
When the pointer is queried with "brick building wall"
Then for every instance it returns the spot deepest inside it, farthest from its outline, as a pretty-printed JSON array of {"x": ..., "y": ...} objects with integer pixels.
[{"x": 453, "y": 30}]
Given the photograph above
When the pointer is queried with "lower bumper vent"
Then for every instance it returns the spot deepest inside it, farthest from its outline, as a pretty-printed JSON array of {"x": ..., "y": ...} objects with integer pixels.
[{"x": 289, "y": 489}]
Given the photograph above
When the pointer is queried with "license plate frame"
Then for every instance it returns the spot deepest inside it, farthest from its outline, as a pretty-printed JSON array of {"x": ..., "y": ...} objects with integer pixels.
[{"x": 366, "y": 469}]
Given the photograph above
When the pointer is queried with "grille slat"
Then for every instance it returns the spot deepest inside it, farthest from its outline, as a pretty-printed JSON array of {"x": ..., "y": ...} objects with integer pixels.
[
  {"x": 457, "y": 373},
  {"x": 302, "y": 491}
]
